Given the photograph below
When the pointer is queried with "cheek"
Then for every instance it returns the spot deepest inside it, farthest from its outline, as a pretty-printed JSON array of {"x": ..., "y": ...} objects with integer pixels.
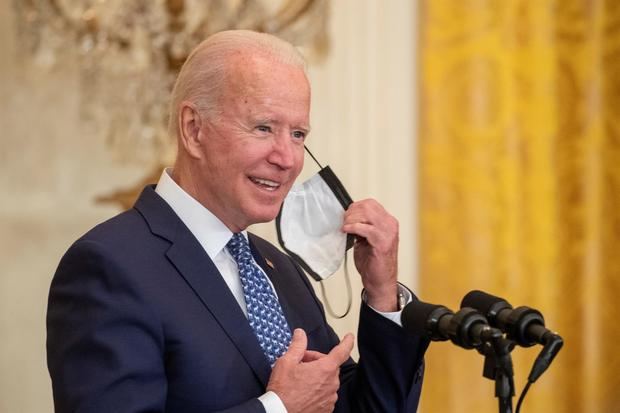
[{"x": 300, "y": 162}]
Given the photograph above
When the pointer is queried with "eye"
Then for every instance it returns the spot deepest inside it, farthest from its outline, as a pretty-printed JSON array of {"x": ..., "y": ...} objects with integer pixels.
[
  {"x": 299, "y": 134},
  {"x": 264, "y": 128}
]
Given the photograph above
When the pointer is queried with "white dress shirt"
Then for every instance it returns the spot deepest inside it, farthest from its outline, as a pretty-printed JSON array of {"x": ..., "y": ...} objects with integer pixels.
[{"x": 213, "y": 236}]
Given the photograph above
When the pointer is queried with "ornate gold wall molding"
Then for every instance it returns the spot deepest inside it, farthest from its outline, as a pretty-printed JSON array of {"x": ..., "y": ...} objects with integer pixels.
[{"x": 129, "y": 51}]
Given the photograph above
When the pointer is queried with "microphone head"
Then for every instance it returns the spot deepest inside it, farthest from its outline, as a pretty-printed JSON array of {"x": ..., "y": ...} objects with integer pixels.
[
  {"x": 422, "y": 319},
  {"x": 487, "y": 304}
]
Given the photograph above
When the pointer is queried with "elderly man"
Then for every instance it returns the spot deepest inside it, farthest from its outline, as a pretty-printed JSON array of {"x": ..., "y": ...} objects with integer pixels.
[{"x": 157, "y": 309}]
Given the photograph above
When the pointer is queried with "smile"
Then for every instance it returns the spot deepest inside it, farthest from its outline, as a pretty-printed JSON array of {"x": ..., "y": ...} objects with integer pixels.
[{"x": 265, "y": 183}]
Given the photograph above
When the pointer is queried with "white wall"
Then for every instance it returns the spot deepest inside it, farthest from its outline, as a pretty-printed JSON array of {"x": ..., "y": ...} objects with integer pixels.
[{"x": 51, "y": 168}]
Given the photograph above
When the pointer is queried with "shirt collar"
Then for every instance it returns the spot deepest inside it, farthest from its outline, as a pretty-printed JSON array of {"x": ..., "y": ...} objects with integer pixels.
[{"x": 210, "y": 232}]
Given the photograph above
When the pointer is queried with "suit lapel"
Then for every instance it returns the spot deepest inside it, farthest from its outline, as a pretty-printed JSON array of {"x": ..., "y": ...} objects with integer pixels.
[
  {"x": 195, "y": 266},
  {"x": 280, "y": 282}
]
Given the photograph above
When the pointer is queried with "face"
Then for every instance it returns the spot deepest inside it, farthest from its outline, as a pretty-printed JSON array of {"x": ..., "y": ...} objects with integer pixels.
[{"x": 252, "y": 152}]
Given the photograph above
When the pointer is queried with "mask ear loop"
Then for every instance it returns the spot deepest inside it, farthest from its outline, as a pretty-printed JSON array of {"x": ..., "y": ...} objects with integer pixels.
[
  {"x": 347, "y": 277},
  {"x": 312, "y": 156},
  {"x": 347, "y": 280}
]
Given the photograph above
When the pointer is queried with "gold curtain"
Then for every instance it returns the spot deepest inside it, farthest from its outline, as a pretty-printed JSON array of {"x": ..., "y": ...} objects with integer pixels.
[{"x": 519, "y": 157}]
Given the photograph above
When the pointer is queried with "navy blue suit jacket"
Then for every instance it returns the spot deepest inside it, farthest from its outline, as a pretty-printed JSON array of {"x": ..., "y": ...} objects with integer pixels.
[{"x": 140, "y": 320}]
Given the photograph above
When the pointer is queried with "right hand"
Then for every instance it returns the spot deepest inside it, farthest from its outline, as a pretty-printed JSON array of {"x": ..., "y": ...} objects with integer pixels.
[{"x": 308, "y": 381}]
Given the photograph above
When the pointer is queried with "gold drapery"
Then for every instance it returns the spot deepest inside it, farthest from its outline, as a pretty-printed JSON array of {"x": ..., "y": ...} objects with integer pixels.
[{"x": 519, "y": 151}]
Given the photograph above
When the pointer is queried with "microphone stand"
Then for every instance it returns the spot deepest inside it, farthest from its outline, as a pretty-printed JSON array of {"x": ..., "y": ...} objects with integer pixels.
[{"x": 498, "y": 367}]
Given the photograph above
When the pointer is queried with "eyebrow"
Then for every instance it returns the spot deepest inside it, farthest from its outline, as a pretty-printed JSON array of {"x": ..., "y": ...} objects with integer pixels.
[{"x": 305, "y": 128}]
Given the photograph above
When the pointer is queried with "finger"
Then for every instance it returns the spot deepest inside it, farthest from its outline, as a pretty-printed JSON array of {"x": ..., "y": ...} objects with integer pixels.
[
  {"x": 383, "y": 230},
  {"x": 342, "y": 351},
  {"x": 362, "y": 230},
  {"x": 369, "y": 215},
  {"x": 368, "y": 203},
  {"x": 360, "y": 215},
  {"x": 297, "y": 348},
  {"x": 365, "y": 210},
  {"x": 384, "y": 223},
  {"x": 311, "y": 355}
]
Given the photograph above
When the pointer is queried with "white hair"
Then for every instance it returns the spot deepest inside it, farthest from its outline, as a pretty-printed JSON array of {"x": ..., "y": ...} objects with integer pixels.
[{"x": 203, "y": 74}]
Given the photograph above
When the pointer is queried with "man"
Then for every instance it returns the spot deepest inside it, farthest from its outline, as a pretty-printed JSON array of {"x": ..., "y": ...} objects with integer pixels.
[{"x": 156, "y": 309}]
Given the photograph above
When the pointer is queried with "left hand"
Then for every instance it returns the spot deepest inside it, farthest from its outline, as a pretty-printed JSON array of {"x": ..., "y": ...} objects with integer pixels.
[
  {"x": 308, "y": 381},
  {"x": 375, "y": 251}
]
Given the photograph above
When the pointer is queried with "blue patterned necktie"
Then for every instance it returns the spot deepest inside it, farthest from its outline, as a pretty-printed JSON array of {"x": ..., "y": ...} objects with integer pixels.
[{"x": 264, "y": 312}]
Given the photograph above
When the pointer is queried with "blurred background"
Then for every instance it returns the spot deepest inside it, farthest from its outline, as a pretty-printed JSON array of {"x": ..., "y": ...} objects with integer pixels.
[{"x": 490, "y": 129}]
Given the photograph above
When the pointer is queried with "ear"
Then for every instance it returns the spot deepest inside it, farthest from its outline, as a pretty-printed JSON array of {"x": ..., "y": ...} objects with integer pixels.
[{"x": 190, "y": 123}]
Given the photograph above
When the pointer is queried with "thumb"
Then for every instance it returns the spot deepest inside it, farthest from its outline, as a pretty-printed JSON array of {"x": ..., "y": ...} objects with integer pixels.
[
  {"x": 311, "y": 355},
  {"x": 297, "y": 348},
  {"x": 342, "y": 351}
]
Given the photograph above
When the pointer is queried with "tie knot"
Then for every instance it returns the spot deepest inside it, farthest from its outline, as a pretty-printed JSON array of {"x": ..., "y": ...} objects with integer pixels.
[{"x": 239, "y": 248}]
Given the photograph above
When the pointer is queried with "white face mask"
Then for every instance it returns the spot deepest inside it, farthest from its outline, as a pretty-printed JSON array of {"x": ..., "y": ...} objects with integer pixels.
[{"x": 309, "y": 224}]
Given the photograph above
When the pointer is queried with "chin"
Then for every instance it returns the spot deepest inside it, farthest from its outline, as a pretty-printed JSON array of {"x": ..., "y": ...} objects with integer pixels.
[{"x": 263, "y": 215}]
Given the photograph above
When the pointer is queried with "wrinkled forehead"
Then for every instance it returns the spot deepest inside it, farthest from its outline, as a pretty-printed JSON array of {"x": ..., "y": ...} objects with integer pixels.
[{"x": 249, "y": 73}]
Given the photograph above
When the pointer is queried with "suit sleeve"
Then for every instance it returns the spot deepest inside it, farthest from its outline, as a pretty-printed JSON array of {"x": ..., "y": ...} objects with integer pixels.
[
  {"x": 388, "y": 376},
  {"x": 105, "y": 346}
]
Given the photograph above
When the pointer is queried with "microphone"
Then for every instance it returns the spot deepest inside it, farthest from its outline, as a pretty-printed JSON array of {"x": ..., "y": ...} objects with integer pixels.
[
  {"x": 524, "y": 325},
  {"x": 467, "y": 328}
]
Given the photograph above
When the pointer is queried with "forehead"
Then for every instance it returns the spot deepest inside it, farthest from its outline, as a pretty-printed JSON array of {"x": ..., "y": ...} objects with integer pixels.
[{"x": 258, "y": 76}]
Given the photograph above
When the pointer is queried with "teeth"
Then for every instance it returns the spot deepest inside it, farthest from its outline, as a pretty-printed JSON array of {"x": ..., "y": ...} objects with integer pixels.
[{"x": 266, "y": 182}]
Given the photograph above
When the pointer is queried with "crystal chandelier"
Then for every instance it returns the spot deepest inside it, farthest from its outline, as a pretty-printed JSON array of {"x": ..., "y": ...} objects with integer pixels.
[{"x": 129, "y": 52}]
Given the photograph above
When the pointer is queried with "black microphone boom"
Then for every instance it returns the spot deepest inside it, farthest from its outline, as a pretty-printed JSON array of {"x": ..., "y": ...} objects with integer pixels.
[
  {"x": 467, "y": 328},
  {"x": 524, "y": 325}
]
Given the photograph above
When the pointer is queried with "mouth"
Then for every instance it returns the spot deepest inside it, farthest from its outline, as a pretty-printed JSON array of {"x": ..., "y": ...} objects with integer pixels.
[{"x": 265, "y": 184}]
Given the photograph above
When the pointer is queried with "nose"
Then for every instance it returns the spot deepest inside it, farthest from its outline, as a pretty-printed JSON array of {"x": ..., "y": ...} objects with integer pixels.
[{"x": 283, "y": 152}]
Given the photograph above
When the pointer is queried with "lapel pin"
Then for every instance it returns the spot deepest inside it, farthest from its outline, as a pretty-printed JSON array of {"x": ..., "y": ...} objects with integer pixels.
[{"x": 269, "y": 263}]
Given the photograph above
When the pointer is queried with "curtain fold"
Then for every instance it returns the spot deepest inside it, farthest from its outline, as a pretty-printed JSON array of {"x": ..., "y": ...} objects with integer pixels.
[{"x": 519, "y": 188}]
